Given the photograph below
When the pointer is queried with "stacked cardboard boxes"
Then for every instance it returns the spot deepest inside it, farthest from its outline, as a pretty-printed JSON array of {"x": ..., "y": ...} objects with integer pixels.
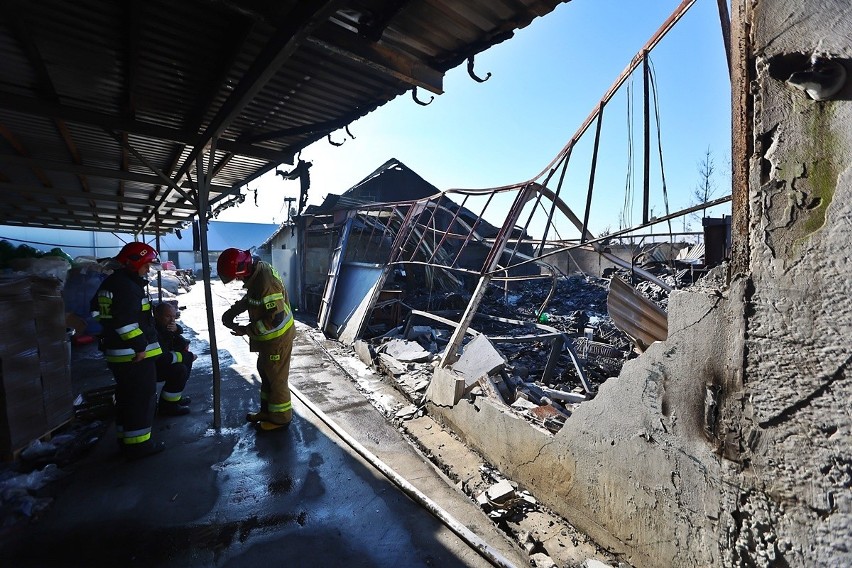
[
  {"x": 35, "y": 378},
  {"x": 54, "y": 349}
]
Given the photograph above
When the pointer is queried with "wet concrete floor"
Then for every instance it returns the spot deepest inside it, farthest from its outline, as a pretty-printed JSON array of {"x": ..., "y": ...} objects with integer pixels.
[{"x": 234, "y": 497}]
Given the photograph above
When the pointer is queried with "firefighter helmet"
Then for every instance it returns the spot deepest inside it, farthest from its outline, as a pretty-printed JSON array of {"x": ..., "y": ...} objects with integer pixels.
[
  {"x": 136, "y": 255},
  {"x": 234, "y": 263}
]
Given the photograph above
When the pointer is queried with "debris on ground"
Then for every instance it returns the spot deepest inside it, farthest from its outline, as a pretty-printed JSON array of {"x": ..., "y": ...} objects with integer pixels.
[
  {"x": 542, "y": 533},
  {"x": 28, "y": 484},
  {"x": 541, "y": 348}
]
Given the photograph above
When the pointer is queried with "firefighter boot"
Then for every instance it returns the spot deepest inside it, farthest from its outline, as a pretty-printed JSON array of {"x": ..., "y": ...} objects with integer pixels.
[
  {"x": 267, "y": 426},
  {"x": 256, "y": 417},
  {"x": 169, "y": 408},
  {"x": 138, "y": 451},
  {"x": 260, "y": 415}
]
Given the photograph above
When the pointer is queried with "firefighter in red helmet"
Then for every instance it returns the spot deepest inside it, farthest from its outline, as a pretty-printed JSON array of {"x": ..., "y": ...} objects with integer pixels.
[
  {"x": 270, "y": 331},
  {"x": 129, "y": 343}
]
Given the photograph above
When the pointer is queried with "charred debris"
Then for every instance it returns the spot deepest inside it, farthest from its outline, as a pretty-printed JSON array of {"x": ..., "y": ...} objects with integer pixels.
[
  {"x": 487, "y": 293},
  {"x": 541, "y": 347}
]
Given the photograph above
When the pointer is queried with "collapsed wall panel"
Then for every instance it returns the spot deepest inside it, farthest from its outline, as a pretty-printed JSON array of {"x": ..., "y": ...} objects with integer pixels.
[{"x": 642, "y": 456}]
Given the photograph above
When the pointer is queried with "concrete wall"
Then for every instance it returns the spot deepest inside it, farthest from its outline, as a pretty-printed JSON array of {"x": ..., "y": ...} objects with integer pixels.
[
  {"x": 730, "y": 444},
  {"x": 283, "y": 253},
  {"x": 638, "y": 467},
  {"x": 591, "y": 262},
  {"x": 798, "y": 348}
]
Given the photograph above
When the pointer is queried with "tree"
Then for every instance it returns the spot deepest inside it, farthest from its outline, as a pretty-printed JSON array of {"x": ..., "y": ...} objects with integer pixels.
[{"x": 706, "y": 187}]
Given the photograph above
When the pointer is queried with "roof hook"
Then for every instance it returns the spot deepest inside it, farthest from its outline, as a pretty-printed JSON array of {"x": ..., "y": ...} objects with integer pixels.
[
  {"x": 346, "y": 128},
  {"x": 418, "y": 101},
  {"x": 472, "y": 74},
  {"x": 333, "y": 143}
]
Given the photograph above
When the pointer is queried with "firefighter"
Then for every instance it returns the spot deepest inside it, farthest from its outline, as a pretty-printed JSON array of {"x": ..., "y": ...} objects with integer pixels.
[
  {"x": 129, "y": 343},
  {"x": 175, "y": 364},
  {"x": 270, "y": 332}
]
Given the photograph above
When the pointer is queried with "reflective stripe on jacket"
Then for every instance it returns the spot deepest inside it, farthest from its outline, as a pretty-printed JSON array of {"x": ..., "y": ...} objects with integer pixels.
[
  {"x": 127, "y": 355},
  {"x": 122, "y": 306},
  {"x": 268, "y": 306}
]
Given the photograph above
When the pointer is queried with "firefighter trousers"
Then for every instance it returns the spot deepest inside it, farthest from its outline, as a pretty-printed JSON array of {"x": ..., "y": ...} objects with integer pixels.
[
  {"x": 135, "y": 400},
  {"x": 273, "y": 366},
  {"x": 174, "y": 376}
]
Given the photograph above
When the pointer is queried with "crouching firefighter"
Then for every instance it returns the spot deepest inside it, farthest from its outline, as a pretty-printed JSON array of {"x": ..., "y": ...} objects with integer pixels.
[
  {"x": 175, "y": 364},
  {"x": 270, "y": 331},
  {"x": 129, "y": 342}
]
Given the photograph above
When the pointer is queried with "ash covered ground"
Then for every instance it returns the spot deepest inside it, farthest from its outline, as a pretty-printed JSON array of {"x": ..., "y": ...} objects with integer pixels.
[{"x": 577, "y": 308}]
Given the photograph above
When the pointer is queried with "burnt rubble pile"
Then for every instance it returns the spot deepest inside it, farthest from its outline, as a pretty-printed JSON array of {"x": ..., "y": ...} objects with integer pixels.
[
  {"x": 577, "y": 308},
  {"x": 541, "y": 362}
]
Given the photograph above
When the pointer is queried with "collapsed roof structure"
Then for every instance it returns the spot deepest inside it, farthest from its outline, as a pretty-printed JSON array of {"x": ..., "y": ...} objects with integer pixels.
[
  {"x": 409, "y": 274},
  {"x": 394, "y": 232}
]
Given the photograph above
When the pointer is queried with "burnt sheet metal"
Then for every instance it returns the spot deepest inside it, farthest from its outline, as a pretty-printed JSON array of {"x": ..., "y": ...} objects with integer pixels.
[
  {"x": 356, "y": 280},
  {"x": 644, "y": 321}
]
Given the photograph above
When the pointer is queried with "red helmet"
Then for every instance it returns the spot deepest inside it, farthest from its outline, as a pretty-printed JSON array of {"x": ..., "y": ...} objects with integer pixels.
[
  {"x": 234, "y": 263},
  {"x": 136, "y": 255}
]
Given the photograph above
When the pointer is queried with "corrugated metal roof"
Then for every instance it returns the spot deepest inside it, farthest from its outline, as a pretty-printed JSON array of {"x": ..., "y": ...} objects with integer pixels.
[
  {"x": 105, "y": 106},
  {"x": 634, "y": 314}
]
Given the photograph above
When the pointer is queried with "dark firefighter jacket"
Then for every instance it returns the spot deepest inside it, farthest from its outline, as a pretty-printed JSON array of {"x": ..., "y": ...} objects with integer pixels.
[
  {"x": 173, "y": 343},
  {"x": 123, "y": 308}
]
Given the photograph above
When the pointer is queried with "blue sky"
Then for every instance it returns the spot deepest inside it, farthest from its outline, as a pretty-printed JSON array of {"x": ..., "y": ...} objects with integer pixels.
[{"x": 545, "y": 81}]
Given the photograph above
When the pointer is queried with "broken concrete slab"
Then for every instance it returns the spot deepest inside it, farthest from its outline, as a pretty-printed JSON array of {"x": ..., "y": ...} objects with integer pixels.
[
  {"x": 406, "y": 351},
  {"x": 489, "y": 388},
  {"x": 528, "y": 499},
  {"x": 407, "y": 412},
  {"x": 364, "y": 351},
  {"x": 501, "y": 493},
  {"x": 482, "y": 501},
  {"x": 479, "y": 358},
  {"x": 592, "y": 563},
  {"x": 391, "y": 365},
  {"x": 417, "y": 332},
  {"x": 540, "y": 560},
  {"x": 446, "y": 388}
]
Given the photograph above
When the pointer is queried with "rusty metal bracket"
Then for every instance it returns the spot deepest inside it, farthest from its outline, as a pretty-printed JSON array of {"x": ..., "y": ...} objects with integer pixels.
[
  {"x": 418, "y": 101},
  {"x": 473, "y": 74}
]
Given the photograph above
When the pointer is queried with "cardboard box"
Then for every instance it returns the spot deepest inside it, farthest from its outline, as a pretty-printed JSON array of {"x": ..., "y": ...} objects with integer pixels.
[{"x": 35, "y": 373}]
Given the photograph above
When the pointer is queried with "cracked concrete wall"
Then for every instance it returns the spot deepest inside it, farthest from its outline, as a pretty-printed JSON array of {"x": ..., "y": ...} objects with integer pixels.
[
  {"x": 639, "y": 467},
  {"x": 798, "y": 461},
  {"x": 729, "y": 443}
]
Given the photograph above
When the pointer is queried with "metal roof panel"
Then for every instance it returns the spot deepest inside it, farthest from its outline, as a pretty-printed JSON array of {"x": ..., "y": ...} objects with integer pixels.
[{"x": 100, "y": 100}]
